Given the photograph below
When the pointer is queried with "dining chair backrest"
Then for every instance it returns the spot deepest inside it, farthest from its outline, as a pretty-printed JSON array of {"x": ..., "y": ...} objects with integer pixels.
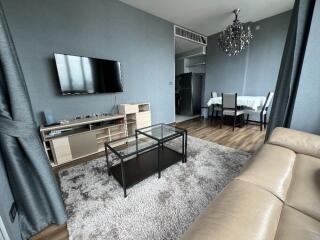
[
  {"x": 214, "y": 94},
  {"x": 229, "y": 100},
  {"x": 268, "y": 101},
  {"x": 269, "y": 98}
]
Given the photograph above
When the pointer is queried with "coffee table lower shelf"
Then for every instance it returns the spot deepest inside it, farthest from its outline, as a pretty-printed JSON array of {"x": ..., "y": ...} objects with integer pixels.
[{"x": 145, "y": 165}]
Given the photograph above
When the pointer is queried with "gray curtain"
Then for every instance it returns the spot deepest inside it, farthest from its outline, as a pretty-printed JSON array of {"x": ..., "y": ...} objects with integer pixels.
[
  {"x": 291, "y": 64},
  {"x": 36, "y": 193}
]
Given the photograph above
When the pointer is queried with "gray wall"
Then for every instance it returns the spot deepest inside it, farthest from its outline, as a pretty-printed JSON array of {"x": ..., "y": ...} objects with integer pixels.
[
  {"x": 98, "y": 28},
  {"x": 255, "y": 71},
  {"x": 306, "y": 114},
  {"x": 224, "y": 74},
  {"x": 180, "y": 66}
]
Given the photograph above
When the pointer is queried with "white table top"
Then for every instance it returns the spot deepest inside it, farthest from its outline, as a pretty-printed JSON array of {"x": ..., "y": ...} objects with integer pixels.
[{"x": 252, "y": 102}]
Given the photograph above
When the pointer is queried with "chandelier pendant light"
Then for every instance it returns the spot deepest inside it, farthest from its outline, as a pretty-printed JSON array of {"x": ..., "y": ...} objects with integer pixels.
[{"x": 234, "y": 38}]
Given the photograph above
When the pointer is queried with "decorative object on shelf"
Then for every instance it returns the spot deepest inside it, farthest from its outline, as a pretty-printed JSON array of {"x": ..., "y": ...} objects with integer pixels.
[{"x": 234, "y": 38}]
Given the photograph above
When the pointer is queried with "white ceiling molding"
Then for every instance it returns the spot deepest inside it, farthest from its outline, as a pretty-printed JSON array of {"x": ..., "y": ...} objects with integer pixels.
[{"x": 210, "y": 16}]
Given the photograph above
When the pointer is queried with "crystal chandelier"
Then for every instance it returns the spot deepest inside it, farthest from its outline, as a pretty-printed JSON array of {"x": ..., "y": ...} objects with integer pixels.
[{"x": 234, "y": 38}]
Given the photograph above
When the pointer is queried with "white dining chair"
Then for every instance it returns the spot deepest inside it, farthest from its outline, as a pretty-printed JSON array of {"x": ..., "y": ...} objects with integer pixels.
[
  {"x": 216, "y": 108},
  {"x": 214, "y": 94},
  {"x": 229, "y": 108},
  {"x": 262, "y": 111}
]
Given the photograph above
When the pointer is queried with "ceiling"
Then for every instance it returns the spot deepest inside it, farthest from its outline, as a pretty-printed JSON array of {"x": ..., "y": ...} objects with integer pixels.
[
  {"x": 182, "y": 45},
  {"x": 210, "y": 16}
]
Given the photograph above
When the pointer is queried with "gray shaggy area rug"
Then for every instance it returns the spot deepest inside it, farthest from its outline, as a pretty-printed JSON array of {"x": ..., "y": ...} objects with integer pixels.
[{"x": 155, "y": 208}]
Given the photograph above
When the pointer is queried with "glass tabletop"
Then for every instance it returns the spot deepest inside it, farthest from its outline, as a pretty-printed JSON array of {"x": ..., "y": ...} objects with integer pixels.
[
  {"x": 130, "y": 146},
  {"x": 161, "y": 131}
]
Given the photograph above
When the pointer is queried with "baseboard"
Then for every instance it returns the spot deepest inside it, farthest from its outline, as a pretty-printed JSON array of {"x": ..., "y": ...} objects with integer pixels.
[{"x": 253, "y": 121}]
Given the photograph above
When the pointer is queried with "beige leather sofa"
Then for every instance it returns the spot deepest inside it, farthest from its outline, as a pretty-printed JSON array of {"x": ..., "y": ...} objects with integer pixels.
[{"x": 277, "y": 196}]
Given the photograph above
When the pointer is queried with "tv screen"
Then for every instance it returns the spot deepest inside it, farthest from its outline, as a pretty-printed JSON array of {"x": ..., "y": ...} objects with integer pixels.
[{"x": 84, "y": 75}]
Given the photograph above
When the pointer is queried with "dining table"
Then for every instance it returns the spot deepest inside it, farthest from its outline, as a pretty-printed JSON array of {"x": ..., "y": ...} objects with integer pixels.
[{"x": 251, "y": 102}]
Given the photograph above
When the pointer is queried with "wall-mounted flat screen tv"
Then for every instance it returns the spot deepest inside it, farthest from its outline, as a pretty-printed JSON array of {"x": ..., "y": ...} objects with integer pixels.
[{"x": 85, "y": 75}]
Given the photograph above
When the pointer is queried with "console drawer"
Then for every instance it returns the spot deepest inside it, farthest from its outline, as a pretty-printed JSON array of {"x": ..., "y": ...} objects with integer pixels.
[
  {"x": 128, "y": 108},
  {"x": 83, "y": 144},
  {"x": 61, "y": 150},
  {"x": 144, "y": 116},
  {"x": 143, "y": 124}
]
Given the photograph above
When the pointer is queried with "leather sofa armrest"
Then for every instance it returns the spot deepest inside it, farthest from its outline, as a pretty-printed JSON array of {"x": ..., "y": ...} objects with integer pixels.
[{"x": 298, "y": 141}]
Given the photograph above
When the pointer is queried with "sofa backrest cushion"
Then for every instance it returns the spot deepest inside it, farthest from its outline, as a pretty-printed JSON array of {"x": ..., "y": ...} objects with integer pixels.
[
  {"x": 271, "y": 169},
  {"x": 297, "y": 141}
]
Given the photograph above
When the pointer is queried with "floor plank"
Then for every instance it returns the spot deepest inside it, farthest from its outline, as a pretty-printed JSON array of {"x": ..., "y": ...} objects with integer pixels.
[
  {"x": 248, "y": 138},
  {"x": 53, "y": 232}
]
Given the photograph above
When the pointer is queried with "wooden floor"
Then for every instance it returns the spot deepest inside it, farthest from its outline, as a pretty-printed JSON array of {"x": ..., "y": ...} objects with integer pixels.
[{"x": 248, "y": 138}]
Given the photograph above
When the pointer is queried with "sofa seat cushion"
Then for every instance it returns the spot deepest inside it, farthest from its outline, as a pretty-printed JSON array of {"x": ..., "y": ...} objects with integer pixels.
[
  {"x": 271, "y": 168},
  {"x": 243, "y": 211},
  {"x": 304, "y": 191},
  {"x": 295, "y": 225}
]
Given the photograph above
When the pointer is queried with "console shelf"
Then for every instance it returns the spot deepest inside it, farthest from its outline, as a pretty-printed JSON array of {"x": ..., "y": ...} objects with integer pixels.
[
  {"x": 81, "y": 138},
  {"x": 137, "y": 115},
  {"x": 85, "y": 137}
]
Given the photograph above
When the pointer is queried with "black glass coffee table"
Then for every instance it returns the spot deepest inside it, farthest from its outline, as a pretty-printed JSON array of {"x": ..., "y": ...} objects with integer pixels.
[{"x": 146, "y": 153}]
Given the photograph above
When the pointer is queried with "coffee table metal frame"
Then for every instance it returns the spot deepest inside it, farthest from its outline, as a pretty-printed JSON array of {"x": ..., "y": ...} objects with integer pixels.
[{"x": 177, "y": 132}]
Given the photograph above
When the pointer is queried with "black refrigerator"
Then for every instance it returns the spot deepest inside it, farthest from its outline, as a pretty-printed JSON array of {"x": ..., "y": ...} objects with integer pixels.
[{"x": 188, "y": 94}]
